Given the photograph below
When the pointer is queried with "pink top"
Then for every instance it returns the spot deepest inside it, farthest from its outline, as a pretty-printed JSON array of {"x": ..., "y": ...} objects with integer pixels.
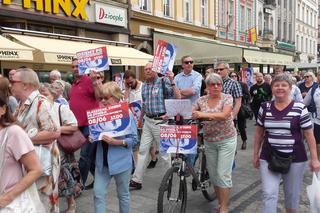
[
  {"x": 18, "y": 144},
  {"x": 82, "y": 98},
  {"x": 214, "y": 131}
]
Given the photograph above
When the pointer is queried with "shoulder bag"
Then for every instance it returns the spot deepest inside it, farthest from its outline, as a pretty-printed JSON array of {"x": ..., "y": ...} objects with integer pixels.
[
  {"x": 70, "y": 142},
  {"x": 278, "y": 163}
]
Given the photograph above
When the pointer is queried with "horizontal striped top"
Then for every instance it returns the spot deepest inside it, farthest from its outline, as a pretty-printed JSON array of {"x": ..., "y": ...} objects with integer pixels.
[{"x": 283, "y": 129}]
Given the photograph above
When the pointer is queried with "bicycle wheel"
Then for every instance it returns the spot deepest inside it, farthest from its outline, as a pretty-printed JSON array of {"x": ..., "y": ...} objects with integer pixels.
[
  {"x": 206, "y": 185},
  {"x": 172, "y": 197}
]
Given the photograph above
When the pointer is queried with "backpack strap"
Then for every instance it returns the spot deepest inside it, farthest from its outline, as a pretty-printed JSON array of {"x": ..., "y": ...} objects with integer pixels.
[{"x": 312, "y": 103}]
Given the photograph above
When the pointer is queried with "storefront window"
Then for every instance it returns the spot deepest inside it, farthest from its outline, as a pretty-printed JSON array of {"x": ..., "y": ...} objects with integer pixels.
[
  {"x": 65, "y": 31},
  {"x": 41, "y": 28}
]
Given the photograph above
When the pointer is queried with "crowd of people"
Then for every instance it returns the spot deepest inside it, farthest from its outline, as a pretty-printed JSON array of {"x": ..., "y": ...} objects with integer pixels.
[{"x": 34, "y": 115}]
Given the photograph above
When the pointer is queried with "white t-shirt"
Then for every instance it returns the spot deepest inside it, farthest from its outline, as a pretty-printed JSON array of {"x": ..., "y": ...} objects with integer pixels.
[{"x": 135, "y": 94}]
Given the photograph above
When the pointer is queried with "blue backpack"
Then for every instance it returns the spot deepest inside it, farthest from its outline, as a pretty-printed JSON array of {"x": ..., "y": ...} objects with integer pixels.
[{"x": 312, "y": 106}]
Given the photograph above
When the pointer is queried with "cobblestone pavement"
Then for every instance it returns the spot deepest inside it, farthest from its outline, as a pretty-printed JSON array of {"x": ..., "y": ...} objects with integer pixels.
[{"x": 245, "y": 195}]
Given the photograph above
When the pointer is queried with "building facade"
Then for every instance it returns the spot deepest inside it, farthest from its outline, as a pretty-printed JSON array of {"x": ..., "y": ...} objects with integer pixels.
[
  {"x": 104, "y": 22},
  {"x": 234, "y": 19},
  {"x": 306, "y": 31},
  {"x": 181, "y": 22},
  {"x": 266, "y": 25}
]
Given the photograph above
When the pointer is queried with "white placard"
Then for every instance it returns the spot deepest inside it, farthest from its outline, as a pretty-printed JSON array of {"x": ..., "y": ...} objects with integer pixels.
[{"x": 178, "y": 106}]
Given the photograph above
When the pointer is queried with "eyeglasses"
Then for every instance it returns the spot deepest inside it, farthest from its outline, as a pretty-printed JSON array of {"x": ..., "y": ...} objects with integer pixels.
[
  {"x": 13, "y": 82},
  {"x": 215, "y": 84},
  {"x": 219, "y": 69},
  {"x": 232, "y": 76},
  {"x": 306, "y": 76},
  {"x": 188, "y": 62}
]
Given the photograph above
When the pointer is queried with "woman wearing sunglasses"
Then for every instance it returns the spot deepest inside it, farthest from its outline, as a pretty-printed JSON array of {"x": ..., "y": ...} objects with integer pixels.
[
  {"x": 220, "y": 137},
  {"x": 114, "y": 157}
]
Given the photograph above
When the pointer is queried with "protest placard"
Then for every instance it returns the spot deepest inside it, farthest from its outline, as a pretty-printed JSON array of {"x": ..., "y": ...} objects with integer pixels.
[
  {"x": 178, "y": 139},
  {"x": 113, "y": 121},
  {"x": 164, "y": 56},
  {"x": 92, "y": 60},
  {"x": 135, "y": 108},
  {"x": 178, "y": 106}
]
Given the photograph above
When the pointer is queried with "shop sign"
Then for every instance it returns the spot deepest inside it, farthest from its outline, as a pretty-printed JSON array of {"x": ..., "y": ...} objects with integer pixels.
[
  {"x": 9, "y": 54},
  {"x": 75, "y": 8},
  {"x": 115, "y": 61},
  {"x": 64, "y": 58},
  {"x": 107, "y": 14}
]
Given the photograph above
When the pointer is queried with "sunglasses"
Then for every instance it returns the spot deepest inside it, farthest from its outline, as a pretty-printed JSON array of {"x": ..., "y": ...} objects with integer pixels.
[
  {"x": 13, "y": 82},
  {"x": 232, "y": 76},
  {"x": 219, "y": 69},
  {"x": 188, "y": 62},
  {"x": 98, "y": 77},
  {"x": 307, "y": 76}
]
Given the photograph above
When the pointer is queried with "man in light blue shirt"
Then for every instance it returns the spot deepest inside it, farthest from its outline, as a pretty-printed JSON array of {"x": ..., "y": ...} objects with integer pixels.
[{"x": 188, "y": 81}]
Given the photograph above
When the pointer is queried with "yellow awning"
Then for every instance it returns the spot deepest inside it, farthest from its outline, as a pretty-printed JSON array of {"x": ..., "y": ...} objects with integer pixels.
[
  {"x": 58, "y": 51},
  {"x": 259, "y": 57},
  {"x": 11, "y": 51},
  {"x": 202, "y": 50}
]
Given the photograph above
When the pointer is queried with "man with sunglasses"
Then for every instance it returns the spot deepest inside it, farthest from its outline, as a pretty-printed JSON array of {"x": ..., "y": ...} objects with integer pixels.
[
  {"x": 84, "y": 96},
  {"x": 188, "y": 81},
  {"x": 230, "y": 86},
  {"x": 189, "y": 84}
]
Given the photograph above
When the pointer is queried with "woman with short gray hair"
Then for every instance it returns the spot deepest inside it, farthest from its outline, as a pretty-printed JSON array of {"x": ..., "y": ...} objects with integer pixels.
[
  {"x": 281, "y": 125},
  {"x": 220, "y": 136}
]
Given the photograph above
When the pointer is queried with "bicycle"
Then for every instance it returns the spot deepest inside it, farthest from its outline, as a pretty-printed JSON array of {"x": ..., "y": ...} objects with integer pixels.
[{"x": 173, "y": 187}]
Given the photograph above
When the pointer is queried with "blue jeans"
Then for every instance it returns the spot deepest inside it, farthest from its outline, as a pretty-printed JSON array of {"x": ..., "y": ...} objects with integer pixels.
[{"x": 100, "y": 189}]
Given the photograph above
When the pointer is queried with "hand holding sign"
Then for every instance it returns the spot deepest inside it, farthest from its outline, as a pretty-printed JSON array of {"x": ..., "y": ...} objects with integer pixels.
[
  {"x": 113, "y": 121},
  {"x": 92, "y": 60},
  {"x": 164, "y": 57}
]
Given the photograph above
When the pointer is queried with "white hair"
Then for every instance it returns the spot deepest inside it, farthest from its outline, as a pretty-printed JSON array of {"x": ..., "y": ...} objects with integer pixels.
[{"x": 55, "y": 73}]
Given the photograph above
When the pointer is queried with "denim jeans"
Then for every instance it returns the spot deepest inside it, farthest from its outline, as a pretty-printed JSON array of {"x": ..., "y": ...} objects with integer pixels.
[
  {"x": 100, "y": 189},
  {"x": 87, "y": 157}
]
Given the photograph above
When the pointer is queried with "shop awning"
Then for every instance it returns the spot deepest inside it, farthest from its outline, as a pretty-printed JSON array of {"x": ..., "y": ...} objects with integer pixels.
[
  {"x": 259, "y": 57},
  {"x": 202, "y": 50},
  {"x": 11, "y": 51},
  {"x": 58, "y": 51}
]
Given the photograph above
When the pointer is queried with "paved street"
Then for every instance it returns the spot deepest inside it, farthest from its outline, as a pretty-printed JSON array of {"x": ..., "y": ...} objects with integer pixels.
[{"x": 245, "y": 194}]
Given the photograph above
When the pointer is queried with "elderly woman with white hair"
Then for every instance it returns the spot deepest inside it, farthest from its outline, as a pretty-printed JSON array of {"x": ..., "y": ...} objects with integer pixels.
[
  {"x": 220, "y": 136},
  {"x": 308, "y": 83},
  {"x": 69, "y": 185}
]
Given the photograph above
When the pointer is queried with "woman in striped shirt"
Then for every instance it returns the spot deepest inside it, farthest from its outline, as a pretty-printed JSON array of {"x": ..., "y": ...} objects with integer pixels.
[{"x": 282, "y": 123}]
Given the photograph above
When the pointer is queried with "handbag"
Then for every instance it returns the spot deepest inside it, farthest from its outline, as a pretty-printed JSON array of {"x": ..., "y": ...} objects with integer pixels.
[
  {"x": 45, "y": 158},
  {"x": 278, "y": 163},
  {"x": 245, "y": 111},
  {"x": 70, "y": 142}
]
